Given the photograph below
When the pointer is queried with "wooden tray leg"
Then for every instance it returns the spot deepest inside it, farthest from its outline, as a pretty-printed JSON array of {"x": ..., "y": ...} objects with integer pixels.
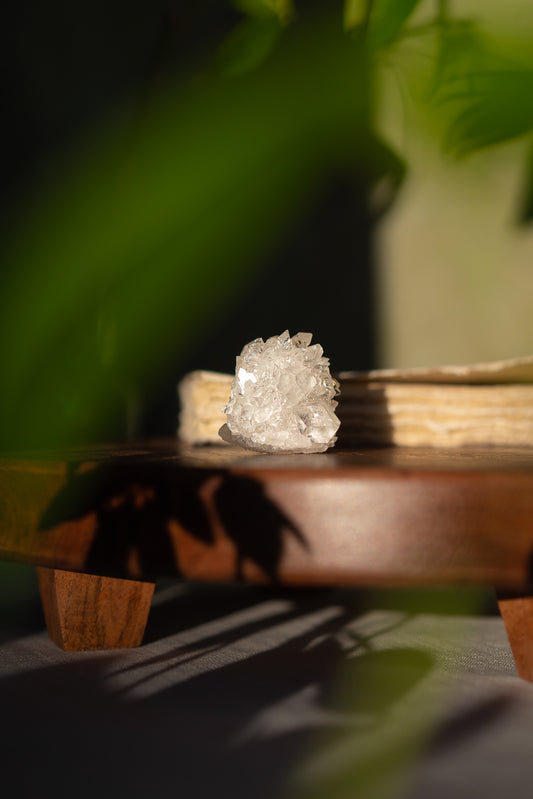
[
  {"x": 83, "y": 611},
  {"x": 517, "y": 613}
]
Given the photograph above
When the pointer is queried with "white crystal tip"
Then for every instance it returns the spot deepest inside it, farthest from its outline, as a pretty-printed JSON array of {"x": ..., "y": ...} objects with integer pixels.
[{"x": 282, "y": 397}]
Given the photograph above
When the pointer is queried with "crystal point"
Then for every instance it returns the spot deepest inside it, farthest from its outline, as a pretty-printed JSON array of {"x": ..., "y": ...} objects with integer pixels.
[
  {"x": 302, "y": 339},
  {"x": 282, "y": 397}
]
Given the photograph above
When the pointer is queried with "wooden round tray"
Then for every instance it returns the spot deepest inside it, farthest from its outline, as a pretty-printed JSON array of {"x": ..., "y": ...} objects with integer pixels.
[{"x": 382, "y": 517}]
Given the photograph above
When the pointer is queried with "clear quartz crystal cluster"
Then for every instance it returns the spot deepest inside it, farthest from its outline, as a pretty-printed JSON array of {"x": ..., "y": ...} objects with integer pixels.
[{"x": 282, "y": 397}]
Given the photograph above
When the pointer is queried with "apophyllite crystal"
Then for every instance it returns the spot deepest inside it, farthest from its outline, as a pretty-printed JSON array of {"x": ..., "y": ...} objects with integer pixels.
[{"x": 282, "y": 397}]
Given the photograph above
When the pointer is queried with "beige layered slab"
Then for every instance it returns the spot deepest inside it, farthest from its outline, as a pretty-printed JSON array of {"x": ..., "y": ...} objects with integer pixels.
[{"x": 479, "y": 404}]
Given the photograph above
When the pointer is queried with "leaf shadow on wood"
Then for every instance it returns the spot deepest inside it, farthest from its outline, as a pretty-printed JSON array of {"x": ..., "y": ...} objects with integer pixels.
[{"x": 151, "y": 521}]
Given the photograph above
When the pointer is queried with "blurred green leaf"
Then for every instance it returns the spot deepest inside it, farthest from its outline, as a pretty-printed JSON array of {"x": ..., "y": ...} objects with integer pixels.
[
  {"x": 282, "y": 9},
  {"x": 495, "y": 107},
  {"x": 356, "y": 13},
  {"x": 253, "y": 8},
  {"x": 461, "y": 50},
  {"x": 248, "y": 45},
  {"x": 139, "y": 246},
  {"x": 386, "y": 19},
  {"x": 486, "y": 97},
  {"x": 390, "y": 697}
]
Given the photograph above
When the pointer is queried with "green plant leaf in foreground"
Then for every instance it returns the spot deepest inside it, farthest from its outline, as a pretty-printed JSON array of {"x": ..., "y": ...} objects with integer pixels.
[
  {"x": 386, "y": 19},
  {"x": 127, "y": 258},
  {"x": 496, "y": 108},
  {"x": 485, "y": 95},
  {"x": 248, "y": 45}
]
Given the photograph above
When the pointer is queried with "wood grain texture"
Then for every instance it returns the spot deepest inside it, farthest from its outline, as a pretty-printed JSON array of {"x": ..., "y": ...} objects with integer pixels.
[
  {"x": 102, "y": 523},
  {"x": 84, "y": 611},
  {"x": 379, "y": 517},
  {"x": 517, "y": 614}
]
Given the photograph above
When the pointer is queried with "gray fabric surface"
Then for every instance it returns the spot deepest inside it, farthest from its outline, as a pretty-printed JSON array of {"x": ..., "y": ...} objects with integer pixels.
[{"x": 245, "y": 692}]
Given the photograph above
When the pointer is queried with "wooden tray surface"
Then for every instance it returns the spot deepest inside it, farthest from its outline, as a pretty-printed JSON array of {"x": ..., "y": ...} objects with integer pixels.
[{"x": 404, "y": 516}]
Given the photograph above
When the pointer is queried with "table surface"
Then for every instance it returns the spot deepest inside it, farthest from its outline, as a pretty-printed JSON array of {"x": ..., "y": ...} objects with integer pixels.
[{"x": 390, "y": 516}]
